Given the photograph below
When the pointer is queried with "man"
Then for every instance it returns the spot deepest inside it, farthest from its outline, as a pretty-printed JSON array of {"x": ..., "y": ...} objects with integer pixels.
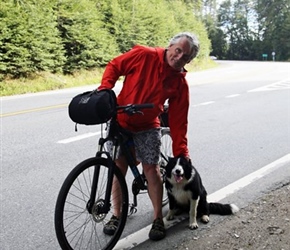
[{"x": 153, "y": 75}]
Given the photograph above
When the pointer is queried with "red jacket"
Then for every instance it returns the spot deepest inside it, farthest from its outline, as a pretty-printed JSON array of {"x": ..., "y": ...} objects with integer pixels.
[{"x": 149, "y": 79}]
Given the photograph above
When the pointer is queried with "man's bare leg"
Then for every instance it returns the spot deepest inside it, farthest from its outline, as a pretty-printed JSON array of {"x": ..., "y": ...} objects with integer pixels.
[
  {"x": 155, "y": 188},
  {"x": 116, "y": 190}
]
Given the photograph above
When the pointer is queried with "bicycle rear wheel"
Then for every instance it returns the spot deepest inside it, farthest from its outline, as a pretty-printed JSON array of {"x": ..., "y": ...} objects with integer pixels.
[
  {"x": 75, "y": 227},
  {"x": 166, "y": 152}
]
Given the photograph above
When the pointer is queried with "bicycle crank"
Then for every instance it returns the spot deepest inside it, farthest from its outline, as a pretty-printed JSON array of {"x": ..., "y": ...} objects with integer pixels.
[{"x": 132, "y": 209}]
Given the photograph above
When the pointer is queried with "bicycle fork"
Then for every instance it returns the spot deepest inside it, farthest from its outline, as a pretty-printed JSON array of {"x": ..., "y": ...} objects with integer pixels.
[{"x": 101, "y": 207}]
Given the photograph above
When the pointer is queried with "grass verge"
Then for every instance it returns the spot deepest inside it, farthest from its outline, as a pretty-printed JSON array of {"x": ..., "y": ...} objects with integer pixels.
[{"x": 45, "y": 81}]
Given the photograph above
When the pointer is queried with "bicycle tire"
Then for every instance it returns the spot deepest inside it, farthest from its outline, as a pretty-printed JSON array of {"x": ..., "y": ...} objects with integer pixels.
[
  {"x": 75, "y": 227},
  {"x": 166, "y": 152}
]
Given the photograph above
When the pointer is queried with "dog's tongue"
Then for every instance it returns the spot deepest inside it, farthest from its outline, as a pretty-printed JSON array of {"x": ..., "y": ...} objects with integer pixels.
[{"x": 178, "y": 178}]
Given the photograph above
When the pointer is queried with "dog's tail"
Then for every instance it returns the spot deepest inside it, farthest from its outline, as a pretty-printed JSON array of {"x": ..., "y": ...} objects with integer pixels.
[{"x": 222, "y": 209}]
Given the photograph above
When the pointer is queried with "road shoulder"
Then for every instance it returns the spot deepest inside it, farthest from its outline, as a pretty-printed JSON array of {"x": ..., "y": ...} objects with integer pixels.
[{"x": 264, "y": 224}]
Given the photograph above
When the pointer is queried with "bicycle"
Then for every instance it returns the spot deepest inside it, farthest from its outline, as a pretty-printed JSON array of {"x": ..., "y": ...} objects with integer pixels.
[{"x": 84, "y": 204}]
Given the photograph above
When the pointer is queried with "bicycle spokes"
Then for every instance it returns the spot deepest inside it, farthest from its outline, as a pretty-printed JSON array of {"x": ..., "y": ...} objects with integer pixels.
[{"x": 79, "y": 221}]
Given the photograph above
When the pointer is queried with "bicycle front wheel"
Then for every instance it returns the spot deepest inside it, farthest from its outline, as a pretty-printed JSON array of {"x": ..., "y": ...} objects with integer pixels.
[{"x": 76, "y": 227}]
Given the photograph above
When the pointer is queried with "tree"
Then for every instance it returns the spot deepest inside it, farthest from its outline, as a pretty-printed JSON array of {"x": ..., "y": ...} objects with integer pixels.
[
  {"x": 237, "y": 19},
  {"x": 150, "y": 23},
  {"x": 251, "y": 28},
  {"x": 138, "y": 22},
  {"x": 31, "y": 43},
  {"x": 274, "y": 21},
  {"x": 87, "y": 45}
]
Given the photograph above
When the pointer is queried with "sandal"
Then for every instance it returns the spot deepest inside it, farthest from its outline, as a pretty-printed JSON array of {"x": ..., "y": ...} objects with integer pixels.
[
  {"x": 111, "y": 226},
  {"x": 157, "y": 231}
]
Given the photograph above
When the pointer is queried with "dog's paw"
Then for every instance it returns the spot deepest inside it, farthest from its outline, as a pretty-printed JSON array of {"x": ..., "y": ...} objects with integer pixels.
[
  {"x": 170, "y": 215},
  {"x": 193, "y": 226},
  {"x": 205, "y": 219}
]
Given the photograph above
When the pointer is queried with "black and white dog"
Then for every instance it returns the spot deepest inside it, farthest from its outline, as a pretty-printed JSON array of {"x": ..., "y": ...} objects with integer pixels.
[{"x": 185, "y": 191}]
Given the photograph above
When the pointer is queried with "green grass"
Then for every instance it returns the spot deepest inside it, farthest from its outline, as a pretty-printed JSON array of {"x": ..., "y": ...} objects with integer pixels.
[{"x": 46, "y": 81}]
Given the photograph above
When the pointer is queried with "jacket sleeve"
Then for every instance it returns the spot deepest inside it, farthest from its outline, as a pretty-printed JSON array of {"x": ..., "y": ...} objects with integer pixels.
[
  {"x": 178, "y": 121},
  {"x": 120, "y": 66}
]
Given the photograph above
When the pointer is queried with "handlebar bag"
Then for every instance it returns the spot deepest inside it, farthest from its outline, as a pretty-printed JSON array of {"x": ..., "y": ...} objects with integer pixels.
[{"x": 93, "y": 107}]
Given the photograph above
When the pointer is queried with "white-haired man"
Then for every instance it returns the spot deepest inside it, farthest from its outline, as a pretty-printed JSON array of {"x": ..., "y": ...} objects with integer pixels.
[{"x": 153, "y": 75}]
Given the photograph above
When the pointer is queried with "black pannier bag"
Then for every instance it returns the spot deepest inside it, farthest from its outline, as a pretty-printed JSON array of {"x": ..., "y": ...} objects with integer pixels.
[{"x": 93, "y": 107}]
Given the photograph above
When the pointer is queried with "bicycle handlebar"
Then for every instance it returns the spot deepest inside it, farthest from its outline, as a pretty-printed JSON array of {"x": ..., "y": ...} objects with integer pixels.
[{"x": 135, "y": 108}]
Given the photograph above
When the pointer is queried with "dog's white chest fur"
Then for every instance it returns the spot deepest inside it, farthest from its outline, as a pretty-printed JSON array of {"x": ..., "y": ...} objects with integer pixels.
[
  {"x": 178, "y": 182},
  {"x": 180, "y": 195}
]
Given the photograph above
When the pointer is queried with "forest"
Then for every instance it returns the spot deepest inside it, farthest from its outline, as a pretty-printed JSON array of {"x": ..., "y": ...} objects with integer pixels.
[
  {"x": 66, "y": 36},
  {"x": 249, "y": 29}
]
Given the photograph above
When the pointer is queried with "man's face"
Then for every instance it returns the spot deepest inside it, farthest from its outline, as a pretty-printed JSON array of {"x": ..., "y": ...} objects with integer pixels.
[{"x": 179, "y": 54}]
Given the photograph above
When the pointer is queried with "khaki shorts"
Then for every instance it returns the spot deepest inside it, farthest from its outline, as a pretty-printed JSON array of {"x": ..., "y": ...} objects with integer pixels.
[{"x": 147, "y": 146}]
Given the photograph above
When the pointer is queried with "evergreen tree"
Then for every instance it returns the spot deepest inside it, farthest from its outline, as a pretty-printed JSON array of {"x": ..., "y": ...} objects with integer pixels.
[
  {"x": 87, "y": 44},
  {"x": 29, "y": 40},
  {"x": 150, "y": 23}
]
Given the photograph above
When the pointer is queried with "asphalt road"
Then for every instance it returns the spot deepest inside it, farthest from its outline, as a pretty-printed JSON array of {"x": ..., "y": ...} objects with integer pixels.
[{"x": 239, "y": 122}]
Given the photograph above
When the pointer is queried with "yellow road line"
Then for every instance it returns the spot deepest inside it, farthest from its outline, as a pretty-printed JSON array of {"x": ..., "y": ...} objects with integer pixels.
[{"x": 33, "y": 110}]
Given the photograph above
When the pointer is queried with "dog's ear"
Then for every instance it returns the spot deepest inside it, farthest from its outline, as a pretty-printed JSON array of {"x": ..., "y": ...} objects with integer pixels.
[
  {"x": 183, "y": 159},
  {"x": 169, "y": 162},
  {"x": 186, "y": 160}
]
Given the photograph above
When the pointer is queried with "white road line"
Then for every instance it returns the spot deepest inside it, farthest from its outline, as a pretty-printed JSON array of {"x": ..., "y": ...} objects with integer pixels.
[
  {"x": 140, "y": 236},
  {"x": 78, "y": 138},
  {"x": 203, "y": 103},
  {"x": 248, "y": 179},
  {"x": 231, "y": 96},
  {"x": 284, "y": 84}
]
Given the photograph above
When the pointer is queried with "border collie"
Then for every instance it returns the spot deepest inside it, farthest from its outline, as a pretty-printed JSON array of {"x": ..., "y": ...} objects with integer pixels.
[{"x": 186, "y": 192}]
